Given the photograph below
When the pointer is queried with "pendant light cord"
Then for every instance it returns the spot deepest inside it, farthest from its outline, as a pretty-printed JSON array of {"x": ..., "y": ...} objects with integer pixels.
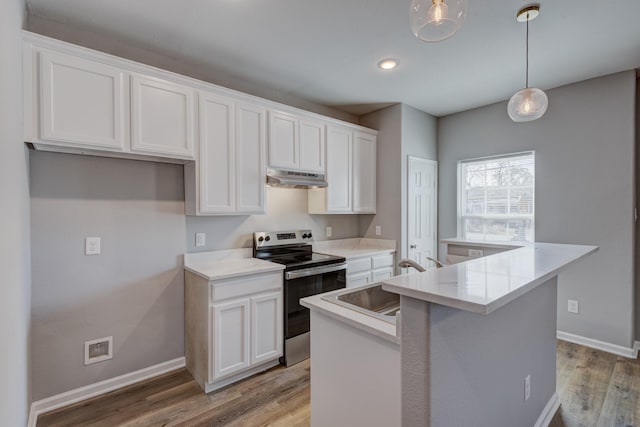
[{"x": 526, "y": 85}]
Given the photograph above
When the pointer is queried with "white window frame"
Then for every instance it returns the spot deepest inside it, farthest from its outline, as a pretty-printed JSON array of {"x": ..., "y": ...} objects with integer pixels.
[{"x": 461, "y": 216}]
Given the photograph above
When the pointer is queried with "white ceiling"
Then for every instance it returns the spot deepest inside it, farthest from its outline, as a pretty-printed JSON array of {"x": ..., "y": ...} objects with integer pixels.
[{"x": 326, "y": 51}]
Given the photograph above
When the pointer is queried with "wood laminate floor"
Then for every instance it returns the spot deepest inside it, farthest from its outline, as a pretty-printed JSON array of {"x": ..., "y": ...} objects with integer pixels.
[{"x": 597, "y": 389}]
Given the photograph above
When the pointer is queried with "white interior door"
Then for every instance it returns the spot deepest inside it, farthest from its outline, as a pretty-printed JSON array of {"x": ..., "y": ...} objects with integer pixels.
[{"x": 422, "y": 197}]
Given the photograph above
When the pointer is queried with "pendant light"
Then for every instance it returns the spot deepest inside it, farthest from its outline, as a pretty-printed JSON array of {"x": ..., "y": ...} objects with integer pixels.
[
  {"x": 436, "y": 20},
  {"x": 529, "y": 103}
]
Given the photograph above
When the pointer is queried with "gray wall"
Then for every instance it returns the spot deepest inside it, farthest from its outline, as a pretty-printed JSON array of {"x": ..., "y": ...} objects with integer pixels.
[
  {"x": 403, "y": 131},
  {"x": 133, "y": 291},
  {"x": 584, "y": 149},
  {"x": 388, "y": 122},
  {"x": 419, "y": 139},
  {"x": 286, "y": 210},
  {"x": 114, "y": 45},
  {"x": 14, "y": 227},
  {"x": 637, "y": 235}
]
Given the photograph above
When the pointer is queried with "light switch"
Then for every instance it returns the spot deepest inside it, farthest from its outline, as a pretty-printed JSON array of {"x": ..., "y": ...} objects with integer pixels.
[
  {"x": 92, "y": 246},
  {"x": 378, "y": 230},
  {"x": 329, "y": 231}
]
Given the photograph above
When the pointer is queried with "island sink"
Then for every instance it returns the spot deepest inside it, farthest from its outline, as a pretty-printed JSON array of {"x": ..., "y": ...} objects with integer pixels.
[{"x": 370, "y": 300}]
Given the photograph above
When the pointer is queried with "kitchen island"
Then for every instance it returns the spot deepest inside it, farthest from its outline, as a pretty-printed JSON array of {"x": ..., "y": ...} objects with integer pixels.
[{"x": 478, "y": 339}]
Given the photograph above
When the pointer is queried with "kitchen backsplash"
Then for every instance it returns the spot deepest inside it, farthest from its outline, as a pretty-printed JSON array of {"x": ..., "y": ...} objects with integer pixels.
[{"x": 286, "y": 210}]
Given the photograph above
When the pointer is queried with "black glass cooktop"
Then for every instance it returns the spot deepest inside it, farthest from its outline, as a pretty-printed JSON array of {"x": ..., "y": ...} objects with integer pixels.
[{"x": 297, "y": 257}]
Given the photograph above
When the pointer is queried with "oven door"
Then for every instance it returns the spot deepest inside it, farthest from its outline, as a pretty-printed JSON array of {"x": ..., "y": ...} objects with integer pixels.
[{"x": 303, "y": 283}]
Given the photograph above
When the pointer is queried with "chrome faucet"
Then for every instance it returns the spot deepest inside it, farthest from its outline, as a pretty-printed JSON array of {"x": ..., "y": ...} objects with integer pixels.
[{"x": 406, "y": 263}]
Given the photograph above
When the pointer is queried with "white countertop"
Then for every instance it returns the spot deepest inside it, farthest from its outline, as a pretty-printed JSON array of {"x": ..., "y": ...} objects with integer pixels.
[
  {"x": 484, "y": 243},
  {"x": 355, "y": 248},
  {"x": 485, "y": 284},
  {"x": 354, "y": 318},
  {"x": 217, "y": 265}
]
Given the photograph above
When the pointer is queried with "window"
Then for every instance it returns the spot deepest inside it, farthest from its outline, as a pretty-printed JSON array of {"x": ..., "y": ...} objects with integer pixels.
[{"x": 496, "y": 198}]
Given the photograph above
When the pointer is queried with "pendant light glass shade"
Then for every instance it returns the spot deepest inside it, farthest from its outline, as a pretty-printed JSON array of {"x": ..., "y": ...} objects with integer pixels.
[
  {"x": 436, "y": 20},
  {"x": 527, "y": 104}
]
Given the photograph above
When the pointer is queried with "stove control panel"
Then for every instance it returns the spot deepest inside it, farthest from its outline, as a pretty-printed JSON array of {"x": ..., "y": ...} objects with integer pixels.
[{"x": 277, "y": 238}]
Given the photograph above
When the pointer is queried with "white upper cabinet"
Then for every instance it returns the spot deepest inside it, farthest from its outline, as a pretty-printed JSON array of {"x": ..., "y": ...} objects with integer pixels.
[
  {"x": 161, "y": 117},
  {"x": 364, "y": 172},
  {"x": 296, "y": 143},
  {"x": 339, "y": 157},
  {"x": 250, "y": 164},
  {"x": 351, "y": 173},
  {"x": 228, "y": 178},
  {"x": 312, "y": 145},
  {"x": 82, "y": 102},
  {"x": 283, "y": 141},
  {"x": 215, "y": 162}
]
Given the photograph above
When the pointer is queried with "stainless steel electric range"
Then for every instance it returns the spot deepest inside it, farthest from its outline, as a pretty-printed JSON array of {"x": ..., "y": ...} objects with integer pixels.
[{"x": 306, "y": 273}]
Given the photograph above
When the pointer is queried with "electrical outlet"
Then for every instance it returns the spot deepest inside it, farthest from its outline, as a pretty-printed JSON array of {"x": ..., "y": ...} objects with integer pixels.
[
  {"x": 201, "y": 239},
  {"x": 572, "y": 306},
  {"x": 329, "y": 231},
  {"x": 378, "y": 230},
  {"x": 92, "y": 246},
  {"x": 476, "y": 253},
  {"x": 527, "y": 387}
]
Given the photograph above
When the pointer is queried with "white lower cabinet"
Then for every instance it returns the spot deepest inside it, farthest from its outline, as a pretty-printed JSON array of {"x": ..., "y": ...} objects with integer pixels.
[
  {"x": 233, "y": 327},
  {"x": 369, "y": 269},
  {"x": 266, "y": 327},
  {"x": 230, "y": 335}
]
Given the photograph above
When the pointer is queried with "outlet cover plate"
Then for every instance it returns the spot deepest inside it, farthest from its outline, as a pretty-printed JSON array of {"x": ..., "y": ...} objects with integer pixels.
[
  {"x": 572, "y": 306},
  {"x": 329, "y": 231},
  {"x": 476, "y": 253},
  {"x": 201, "y": 239},
  {"x": 92, "y": 246}
]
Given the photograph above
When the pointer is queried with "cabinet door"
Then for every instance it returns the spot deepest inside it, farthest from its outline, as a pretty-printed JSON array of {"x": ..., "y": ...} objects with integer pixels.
[
  {"x": 266, "y": 327},
  {"x": 82, "y": 102},
  {"x": 283, "y": 141},
  {"x": 216, "y": 158},
  {"x": 358, "y": 279},
  {"x": 231, "y": 343},
  {"x": 161, "y": 118},
  {"x": 364, "y": 173},
  {"x": 339, "y": 151},
  {"x": 312, "y": 146},
  {"x": 250, "y": 148}
]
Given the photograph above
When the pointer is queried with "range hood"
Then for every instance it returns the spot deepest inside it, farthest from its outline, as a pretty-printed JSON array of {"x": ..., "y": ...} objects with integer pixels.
[{"x": 295, "y": 179}]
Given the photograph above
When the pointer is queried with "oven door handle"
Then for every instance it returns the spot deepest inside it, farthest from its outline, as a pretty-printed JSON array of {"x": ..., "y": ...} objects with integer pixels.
[{"x": 296, "y": 274}]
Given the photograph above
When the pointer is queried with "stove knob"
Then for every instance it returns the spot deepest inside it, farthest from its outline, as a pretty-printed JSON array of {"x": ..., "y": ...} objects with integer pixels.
[
  {"x": 267, "y": 238},
  {"x": 260, "y": 239},
  {"x": 304, "y": 236},
  {"x": 309, "y": 235}
]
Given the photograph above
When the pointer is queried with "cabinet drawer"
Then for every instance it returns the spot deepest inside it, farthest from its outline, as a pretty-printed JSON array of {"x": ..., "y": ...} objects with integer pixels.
[
  {"x": 223, "y": 289},
  {"x": 380, "y": 261},
  {"x": 358, "y": 279},
  {"x": 383, "y": 274},
  {"x": 360, "y": 264}
]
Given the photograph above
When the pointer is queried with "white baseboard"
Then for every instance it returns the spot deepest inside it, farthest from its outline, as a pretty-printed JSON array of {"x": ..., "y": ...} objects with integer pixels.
[
  {"x": 631, "y": 353},
  {"x": 92, "y": 390},
  {"x": 548, "y": 412}
]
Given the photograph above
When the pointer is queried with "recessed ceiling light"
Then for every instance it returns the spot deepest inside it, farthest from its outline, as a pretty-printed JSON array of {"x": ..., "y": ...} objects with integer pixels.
[{"x": 388, "y": 63}]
